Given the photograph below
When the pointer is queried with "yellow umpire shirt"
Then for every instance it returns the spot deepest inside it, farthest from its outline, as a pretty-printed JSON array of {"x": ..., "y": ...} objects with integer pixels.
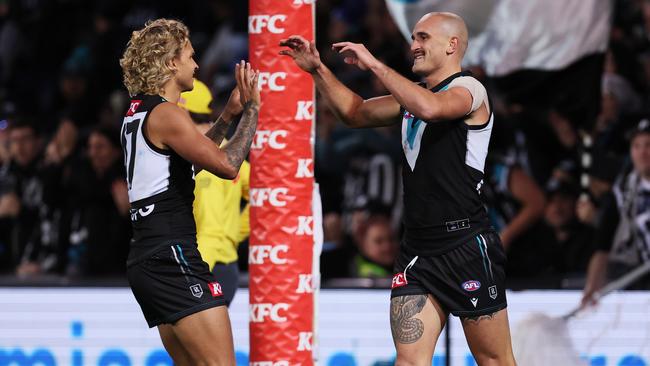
[{"x": 221, "y": 224}]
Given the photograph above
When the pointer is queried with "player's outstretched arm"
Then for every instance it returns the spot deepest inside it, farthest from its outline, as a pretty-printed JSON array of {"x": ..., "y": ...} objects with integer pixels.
[
  {"x": 348, "y": 106},
  {"x": 428, "y": 106}
]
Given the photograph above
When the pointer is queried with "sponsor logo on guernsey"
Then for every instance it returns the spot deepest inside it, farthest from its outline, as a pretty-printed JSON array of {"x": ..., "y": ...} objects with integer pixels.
[
  {"x": 215, "y": 289},
  {"x": 399, "y": 280},
  {"x": 133, "y": 107},
  {"x": 471, "y": 285},
  {"x": 142, "y": 212},
  {"x": 197, "y": 290},
  {"x": 474, "y": 301}
]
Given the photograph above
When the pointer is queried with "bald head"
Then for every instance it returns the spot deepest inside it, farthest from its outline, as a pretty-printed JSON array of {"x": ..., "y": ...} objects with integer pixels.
[{"x": 446, "y": 24}]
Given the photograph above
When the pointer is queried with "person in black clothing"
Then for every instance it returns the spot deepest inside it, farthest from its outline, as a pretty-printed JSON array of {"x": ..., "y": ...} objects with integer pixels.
[
  {"x": 22, "y": 199},
  {"x": 98, "y": 208},
  {"x": 450, "y": 260},
  {"x": 569, "y": 242}
]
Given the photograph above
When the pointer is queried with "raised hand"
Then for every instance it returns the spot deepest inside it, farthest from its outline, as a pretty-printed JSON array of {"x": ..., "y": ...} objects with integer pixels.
[
  {"x": 234, "y": 106},
  {"x": 303, "y": 52},
  {"x": 246, "y": 79},
  {"x": 249, "y": 95},
  {"x": 357, "y": 55}
]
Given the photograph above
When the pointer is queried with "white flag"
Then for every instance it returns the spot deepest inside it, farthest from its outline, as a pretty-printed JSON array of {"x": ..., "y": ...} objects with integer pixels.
[{"x": 508, "y": 35}]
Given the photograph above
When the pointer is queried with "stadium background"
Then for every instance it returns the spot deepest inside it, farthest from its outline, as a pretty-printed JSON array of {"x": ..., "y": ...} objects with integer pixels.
[{"x": 63, "y": 224}]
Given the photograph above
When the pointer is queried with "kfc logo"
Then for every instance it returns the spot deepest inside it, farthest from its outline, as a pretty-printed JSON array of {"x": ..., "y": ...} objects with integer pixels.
[
  {"x": 304, "y": 341},
  {"x": 305, "y": 225},
  {"x": 261, "y": 312},
  {"x": 304, "y": 170},
  {"x": 272, "y": 80},
  {"x": 215, "y": 289},
  {"x": 271, "y": 138},
  {"x": 257, "y": 23},
  {"x": 133, "y": 107},
  {"x": 399, "y": 280},
  {"x": 304, "y": 110},
  {"x": 257, "y": 254},
  {"x": 305, "y": 284},
  {"x": 258, "y": 196}
]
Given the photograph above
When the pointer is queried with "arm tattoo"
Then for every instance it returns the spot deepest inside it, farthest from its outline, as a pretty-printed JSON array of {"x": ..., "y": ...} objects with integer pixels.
[
  {"x": 404, "y": 327},
  {"x": 477, "y": 319},
  {"x": 217, "y": 132},
  {"x": 238, "y": 147}
]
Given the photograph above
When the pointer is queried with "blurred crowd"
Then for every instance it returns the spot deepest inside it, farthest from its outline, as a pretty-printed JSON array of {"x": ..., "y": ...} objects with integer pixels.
[{"x": 550, "y": 178}]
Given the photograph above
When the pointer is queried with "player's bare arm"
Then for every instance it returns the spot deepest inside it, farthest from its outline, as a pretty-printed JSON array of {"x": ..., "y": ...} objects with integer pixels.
[
  {"x": 348, "y": 106},
  {"x": 238, "y": 147},
  {"x": 423, "y": 103},
  {"x": 171, "y": 127},
  {"x": 219, "y": 128}
]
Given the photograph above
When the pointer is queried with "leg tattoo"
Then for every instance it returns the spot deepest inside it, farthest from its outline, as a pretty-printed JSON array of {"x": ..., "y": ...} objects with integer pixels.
[
  {"x": 477, "y": 319},
  {"x": 404, "y": 327}
]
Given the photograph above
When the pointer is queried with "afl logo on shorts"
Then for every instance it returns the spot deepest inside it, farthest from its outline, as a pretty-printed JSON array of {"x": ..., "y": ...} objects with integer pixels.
[
  {"x": 471, "y": 285},
  {"x": 215, "y": 289}
]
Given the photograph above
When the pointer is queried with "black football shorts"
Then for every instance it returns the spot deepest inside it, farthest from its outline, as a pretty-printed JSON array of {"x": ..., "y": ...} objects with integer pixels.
[
  {"x": 467, "y": 281},
  {"x": 173, "y": 282}
]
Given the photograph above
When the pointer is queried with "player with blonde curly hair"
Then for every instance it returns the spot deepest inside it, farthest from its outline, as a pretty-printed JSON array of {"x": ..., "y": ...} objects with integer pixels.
[{"x": 173, "y": 285}]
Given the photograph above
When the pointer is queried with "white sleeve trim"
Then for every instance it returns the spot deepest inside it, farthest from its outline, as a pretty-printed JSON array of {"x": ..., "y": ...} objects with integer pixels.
[{"x": 475, "y": 88}]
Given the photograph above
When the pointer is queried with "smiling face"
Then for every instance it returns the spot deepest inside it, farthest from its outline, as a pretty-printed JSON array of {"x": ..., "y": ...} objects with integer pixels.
[
  {"x": 438, "y": 38},
  {"x": 185, "y": 67}
]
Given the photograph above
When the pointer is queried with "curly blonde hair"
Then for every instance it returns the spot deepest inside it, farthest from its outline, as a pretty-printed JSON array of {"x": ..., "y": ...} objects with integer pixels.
[{"x": 146, "y": 58}]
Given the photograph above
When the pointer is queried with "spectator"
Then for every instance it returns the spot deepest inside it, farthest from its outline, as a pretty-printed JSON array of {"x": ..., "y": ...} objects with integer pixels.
[
  {"x": 98, "y": 208},
  {"x": 570, "y": 241},
  {"x": 377, "y": 248},
  {"x": 602, "y": 174},
  {"x": 515, "y": 205},
  {"x": 21, "y": 196},
  {"x": 623, "y": 236}
]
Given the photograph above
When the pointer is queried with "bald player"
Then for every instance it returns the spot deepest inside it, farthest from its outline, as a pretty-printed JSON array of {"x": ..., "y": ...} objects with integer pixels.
[{"x": 451, "y": 260}]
